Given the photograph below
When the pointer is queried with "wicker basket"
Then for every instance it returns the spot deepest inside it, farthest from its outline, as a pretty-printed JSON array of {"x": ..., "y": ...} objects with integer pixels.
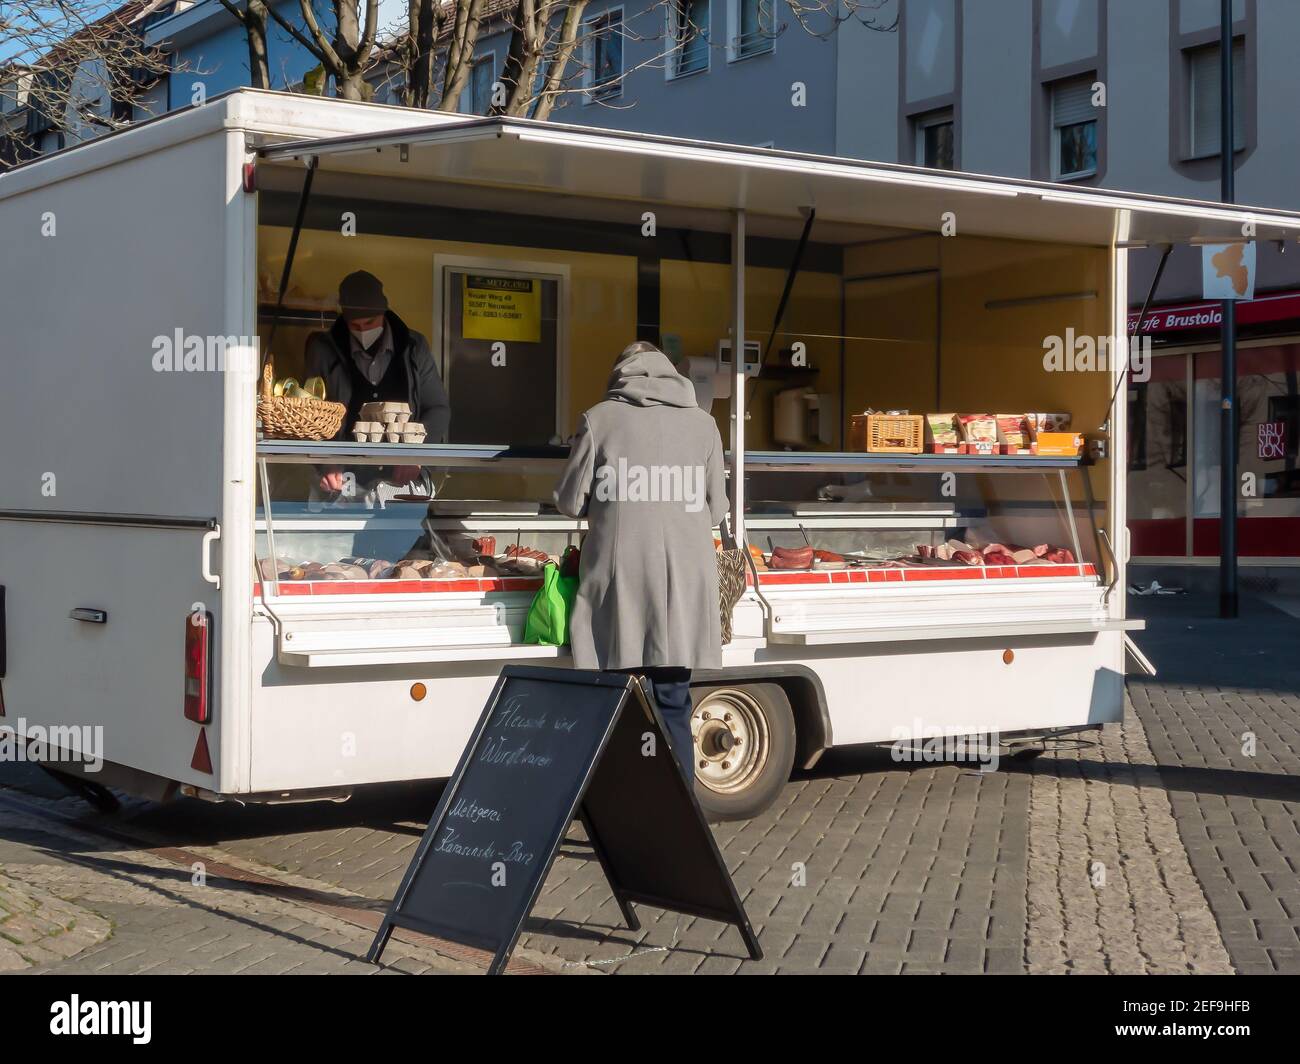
[
  {"x": 895, "y": 433},
  {"x": 286, "y": 417}
]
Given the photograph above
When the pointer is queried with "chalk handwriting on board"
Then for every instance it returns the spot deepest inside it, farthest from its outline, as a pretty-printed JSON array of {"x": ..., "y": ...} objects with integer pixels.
[{"x": 552, "y": 745}]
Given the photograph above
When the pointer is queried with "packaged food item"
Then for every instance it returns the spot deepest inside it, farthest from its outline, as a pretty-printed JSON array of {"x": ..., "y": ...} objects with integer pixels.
[
  {"x": 1048, "y": 423},
  {"x": 1059, "y": 444},
  {"x": 978, "y": 428},
  {"x": 979, "y": 433},
  {"x": 941, "y": 434},
  {"x": 1014, "y": 432}
]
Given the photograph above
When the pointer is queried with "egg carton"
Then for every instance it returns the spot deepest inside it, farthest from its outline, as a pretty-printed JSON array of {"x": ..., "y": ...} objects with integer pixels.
[
  {"x": 385, "y": 413},
  {"x": 398, "y": 432}
]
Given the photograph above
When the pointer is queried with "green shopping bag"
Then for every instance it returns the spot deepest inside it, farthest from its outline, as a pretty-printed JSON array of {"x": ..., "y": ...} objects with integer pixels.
[{"x": 548, "y": 616}]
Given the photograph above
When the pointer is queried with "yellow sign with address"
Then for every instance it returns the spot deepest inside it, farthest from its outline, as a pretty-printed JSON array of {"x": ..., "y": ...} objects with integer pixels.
[{"x": 501, "y": 308}]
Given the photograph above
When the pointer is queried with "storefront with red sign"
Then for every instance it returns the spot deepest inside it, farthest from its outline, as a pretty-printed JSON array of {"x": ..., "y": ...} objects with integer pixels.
[{"x": 1174, "y": 434}]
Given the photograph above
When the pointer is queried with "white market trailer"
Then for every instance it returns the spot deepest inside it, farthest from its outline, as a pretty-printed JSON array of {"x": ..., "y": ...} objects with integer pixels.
[{"x": 136, "y": 496}]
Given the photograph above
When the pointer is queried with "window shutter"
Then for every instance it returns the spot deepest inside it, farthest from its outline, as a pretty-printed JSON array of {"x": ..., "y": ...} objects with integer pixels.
[
  {"x": 1205, "y": 98},
  {"x": 1072, "y": 102}
]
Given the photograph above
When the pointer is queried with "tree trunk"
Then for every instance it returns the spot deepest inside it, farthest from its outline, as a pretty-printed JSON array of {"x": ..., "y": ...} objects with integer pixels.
[
  {"x": 423, "y": 30},
  {"x": 259, "y": 63},
  {"x": 460, "y": 53},
  {"x": 559, "y": 63}
]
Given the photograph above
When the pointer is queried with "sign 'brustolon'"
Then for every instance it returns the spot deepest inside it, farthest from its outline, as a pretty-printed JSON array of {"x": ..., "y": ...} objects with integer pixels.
[{"x": 552, "y": 745}]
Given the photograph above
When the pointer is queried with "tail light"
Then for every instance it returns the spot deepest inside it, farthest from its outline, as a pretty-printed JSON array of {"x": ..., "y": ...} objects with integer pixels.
[{"x": 198, "y": 667}]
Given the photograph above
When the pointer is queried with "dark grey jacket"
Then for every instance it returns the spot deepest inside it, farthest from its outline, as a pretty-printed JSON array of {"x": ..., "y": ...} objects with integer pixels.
[
  {"x": 329, "y": 355},
  {"x": 648, "y": 593}
]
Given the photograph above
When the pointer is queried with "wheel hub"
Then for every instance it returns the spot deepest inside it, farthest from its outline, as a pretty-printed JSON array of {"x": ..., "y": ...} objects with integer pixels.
[{"x": 731, "y": 741}]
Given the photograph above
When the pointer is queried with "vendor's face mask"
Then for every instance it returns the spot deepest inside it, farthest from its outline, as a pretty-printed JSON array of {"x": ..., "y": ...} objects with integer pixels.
[{"x": 366, "y": 337}]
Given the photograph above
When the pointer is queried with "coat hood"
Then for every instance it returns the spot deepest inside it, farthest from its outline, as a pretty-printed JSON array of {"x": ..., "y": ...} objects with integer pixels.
[{"x": 644, "y": 376}]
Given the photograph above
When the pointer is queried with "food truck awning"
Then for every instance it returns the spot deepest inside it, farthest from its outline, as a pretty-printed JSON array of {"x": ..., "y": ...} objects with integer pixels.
[{"x": 519, "y": 155}]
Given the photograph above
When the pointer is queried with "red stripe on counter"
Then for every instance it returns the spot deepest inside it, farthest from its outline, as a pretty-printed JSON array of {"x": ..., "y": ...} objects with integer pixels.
[
  {"x": 893, "y": 576},
  {"x": 970, "y": 573},
  {"x": 480, "y": 585},
  {"x": 404, "y": 587}
]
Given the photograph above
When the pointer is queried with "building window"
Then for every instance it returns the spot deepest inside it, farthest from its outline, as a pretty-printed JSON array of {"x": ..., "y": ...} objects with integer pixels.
[
  {"x": 1074, "y": 129},
  {"x": 604, "y": 54},
  {"x": 754, "y": 23},
  {"x": 481, "y": 76},
  {"x": 689, "y": 28},
  {"x": 1204, "y": 98},
  {"x": 936, "y": 142}
]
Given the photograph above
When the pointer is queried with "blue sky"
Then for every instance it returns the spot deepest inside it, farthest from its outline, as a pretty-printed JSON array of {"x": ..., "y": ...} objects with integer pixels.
[{"x": 390, "y": 12}]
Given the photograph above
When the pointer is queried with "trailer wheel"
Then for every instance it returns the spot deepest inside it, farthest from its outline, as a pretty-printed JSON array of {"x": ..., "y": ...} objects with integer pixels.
[{"x": 744, "y": 741}]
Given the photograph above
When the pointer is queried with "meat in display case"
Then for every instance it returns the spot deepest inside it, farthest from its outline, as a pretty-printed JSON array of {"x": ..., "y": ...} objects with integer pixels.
[
  {"x": 991, "y": 516},
  {"x": 407, "y": 518}
]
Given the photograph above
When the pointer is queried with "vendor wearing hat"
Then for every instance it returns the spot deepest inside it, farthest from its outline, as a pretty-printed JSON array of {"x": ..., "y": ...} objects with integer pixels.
[{"x": 369, "y": 355}]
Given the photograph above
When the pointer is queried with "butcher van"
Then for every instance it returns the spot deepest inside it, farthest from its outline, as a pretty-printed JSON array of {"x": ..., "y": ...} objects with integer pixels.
[{"x": 934, "y": 519}]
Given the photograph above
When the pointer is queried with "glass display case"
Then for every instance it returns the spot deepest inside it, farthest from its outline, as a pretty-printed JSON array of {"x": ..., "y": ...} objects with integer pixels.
[
  {"x": 999, "y": 513},
  {"x": 434, "y": 514},
  {"x": 385, "y": 514}
]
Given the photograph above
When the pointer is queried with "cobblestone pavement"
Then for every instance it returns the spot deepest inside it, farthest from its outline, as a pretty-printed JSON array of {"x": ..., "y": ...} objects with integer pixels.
[
  {"x": 74, "y": 906},
  {"x": 1159, "y": 847},
  {"x": 906, "y": 870},
  {"x": 1223, "y": 719}
]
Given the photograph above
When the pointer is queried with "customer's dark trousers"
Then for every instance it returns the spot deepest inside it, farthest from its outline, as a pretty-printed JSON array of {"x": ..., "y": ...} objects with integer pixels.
[{"x": 672, "y": 694}]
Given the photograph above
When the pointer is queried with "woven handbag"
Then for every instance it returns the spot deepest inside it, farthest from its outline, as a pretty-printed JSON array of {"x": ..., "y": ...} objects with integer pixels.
[{"x": 731, "y": 578}]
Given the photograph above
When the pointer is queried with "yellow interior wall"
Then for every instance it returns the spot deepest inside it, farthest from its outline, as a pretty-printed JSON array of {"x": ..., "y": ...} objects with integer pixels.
[
  {"x": 695, "y": 304},
  {"x": 601, "y": 301}
]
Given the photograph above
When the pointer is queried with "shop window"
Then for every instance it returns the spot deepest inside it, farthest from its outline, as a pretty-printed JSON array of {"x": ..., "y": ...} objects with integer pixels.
[
  {"x": 1205, "y": 97},
  {"x": 1158, "y": 459},
  {"x": 936, "y": 142},
  {"x": 754, "y": 27},
  {"x": 1074, "y": 129},
  {"x": 689, "y": 29},
  {"x": 604, "y": 55},
  {"x": 1275, "y": 442}
]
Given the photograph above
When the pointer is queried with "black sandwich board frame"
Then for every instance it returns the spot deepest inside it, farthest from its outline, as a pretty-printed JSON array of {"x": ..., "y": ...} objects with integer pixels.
[{"x": 607, "y": 849}]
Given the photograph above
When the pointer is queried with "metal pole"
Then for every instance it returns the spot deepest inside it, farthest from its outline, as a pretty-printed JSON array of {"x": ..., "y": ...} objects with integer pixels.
[
  {"x": 738, "y": 377},
  {"x": 1228, "y": 407}
]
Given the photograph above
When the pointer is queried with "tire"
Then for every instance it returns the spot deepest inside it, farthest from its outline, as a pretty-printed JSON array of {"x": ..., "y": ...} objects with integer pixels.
[{"x": 744, "y": 747}]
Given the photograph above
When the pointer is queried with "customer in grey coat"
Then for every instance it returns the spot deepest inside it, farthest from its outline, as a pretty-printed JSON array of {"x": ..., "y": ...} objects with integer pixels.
[{"x": 646, "y": 470}]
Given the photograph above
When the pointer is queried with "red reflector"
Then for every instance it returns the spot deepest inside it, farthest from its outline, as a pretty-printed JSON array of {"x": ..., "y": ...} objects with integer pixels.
[
  {"x": 202, "y": 760},
  {"x": 250, "y": 177},
  {"x": 198, "y": 674}
]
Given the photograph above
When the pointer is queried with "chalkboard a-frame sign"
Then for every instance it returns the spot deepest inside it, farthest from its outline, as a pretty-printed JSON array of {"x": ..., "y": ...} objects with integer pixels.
[{"x": 552, "y": 745}]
